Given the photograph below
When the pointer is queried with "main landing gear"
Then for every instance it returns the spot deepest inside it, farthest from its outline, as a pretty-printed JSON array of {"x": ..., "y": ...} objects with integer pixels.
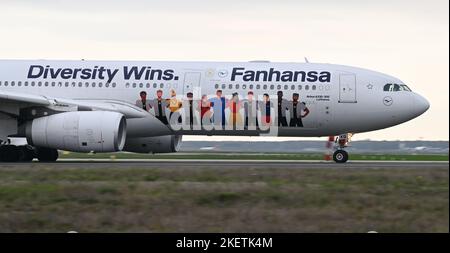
[
  {"x": 26, "y": 153},
  {"x": 340, "y": 155}
]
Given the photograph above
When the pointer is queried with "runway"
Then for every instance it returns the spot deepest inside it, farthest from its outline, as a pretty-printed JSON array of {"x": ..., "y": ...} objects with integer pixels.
[{"x": 202, "y": 163}]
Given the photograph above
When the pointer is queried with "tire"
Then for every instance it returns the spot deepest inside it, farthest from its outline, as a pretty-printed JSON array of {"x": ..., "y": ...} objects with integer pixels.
[
  {"x": 47, "y": 154},
  {"x": 26, "y": 154},
  {"x": 9, "y": 153},
  {"x": 340, "y": 156}
]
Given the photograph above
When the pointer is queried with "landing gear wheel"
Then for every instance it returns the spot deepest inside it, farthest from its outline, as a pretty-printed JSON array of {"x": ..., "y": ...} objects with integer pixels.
[
  {"x": 340, "y": 156},
  {"x": 26, "y": 154},
  {"x": 9, "y": 154},
  {"x": 47, "y": 154}
]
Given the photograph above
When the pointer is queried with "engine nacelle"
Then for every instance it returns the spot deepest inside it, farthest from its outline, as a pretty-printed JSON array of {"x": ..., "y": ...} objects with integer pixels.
[
  {"x": 160, "y": 144},
  {"x": 84, "y": 131}
]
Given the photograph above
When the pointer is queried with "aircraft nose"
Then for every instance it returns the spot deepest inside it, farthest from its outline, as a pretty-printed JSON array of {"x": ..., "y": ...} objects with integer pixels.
[{"x": 421, "y": 105}]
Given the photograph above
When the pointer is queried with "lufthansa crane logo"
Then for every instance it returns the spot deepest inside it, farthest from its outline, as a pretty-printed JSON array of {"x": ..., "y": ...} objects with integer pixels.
[
  {"x": 387, "y": 101},
  {"x": 222, "y": 73}
]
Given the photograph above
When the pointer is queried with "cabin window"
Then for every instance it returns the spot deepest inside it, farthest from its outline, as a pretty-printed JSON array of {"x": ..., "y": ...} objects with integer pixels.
[
  {"x": 272, "y": 87},
  {"x": 230, "y": 86},
  {"x": 278, "y": 87},
  {"x": 250, "y": 86},
  {"x": 244, "y": 86},
  {"x": 299, "y": 87},
  {"x": 237, "y": 86},
  {"x": 306, "y": 87},
  {"x": 313, "y": 87},
  {"x": 258, "y": 86},
  {"x": 161, "y": 85},
  {"x": 292, "y": 87},
  {"x": 265, "y": 87},
  {"x": 53, "y": 84}
]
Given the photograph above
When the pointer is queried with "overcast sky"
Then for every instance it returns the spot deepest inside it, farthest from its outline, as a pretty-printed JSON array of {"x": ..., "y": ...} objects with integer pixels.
[{"x": 404, "y": 38}]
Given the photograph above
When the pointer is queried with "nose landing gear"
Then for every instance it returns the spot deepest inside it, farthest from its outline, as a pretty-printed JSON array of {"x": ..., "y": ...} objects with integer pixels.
[{"x": 340, "y": 155}]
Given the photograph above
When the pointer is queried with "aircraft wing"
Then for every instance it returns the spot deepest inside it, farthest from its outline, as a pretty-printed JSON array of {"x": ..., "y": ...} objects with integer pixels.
[
  {"x": 23, "y": 100},
  {"x": 15, "y": 97}
]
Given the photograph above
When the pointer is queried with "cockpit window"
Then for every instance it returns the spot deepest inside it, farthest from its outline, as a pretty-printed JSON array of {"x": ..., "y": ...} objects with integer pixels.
[
  {"x": 396, "y": 87},
  {"x": 391, "y": 87},
  {"x": 405, "y": 87}
]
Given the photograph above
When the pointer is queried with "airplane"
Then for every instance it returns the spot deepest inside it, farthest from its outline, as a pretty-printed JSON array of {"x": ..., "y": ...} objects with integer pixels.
[{"x": 147, "y": 106}]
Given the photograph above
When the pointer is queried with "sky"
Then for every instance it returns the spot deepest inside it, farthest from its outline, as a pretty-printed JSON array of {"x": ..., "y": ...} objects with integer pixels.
[{"x": 408, "y": 39}]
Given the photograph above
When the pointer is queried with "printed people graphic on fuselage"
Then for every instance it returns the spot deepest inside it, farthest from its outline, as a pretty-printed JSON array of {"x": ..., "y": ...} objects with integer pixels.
[
  {"x": 296, "y": 108},
  {"x": 205, "y": 110},
  {"x": 218, "y": 104},
  {"x": 174, "y": 106},
  {"x": 198, "y": 112},
  {"x": 159, "y": 106},
  {"x": 235, "y": 106},
  {"x": 265, "y": 106},
  {"x": 191, "y": 110},
  {"x": 143, "y": 103},
  {"x": 282, "y": 107},
  {"x": 250, "y": 108}
]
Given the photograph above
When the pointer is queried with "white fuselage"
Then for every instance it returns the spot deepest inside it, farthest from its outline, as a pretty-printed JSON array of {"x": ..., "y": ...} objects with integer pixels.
[{"x": 340, "y": 99}]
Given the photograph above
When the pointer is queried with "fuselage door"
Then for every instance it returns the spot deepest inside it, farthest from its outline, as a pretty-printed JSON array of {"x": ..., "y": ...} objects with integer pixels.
[
  {"x": 192, "y": 83},
  {"x": 347, "y": 88}
]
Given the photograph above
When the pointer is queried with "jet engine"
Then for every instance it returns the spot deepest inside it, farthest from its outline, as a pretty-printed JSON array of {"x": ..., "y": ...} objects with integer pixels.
[
  {"x": 80, "y": 131},
  {"x": 160, "y": 144}
]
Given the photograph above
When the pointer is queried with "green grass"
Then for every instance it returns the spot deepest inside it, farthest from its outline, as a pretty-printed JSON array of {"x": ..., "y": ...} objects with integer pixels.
[
  {"x": 260, "y": 156},
  {"x": 47, "y": 198}
]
